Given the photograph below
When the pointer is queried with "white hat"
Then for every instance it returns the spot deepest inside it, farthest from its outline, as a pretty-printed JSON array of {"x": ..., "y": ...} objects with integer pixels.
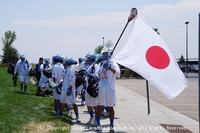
[
  {"x": 105, "y": 49},
  {"x": 46, "y": 59},
  {"x": 22, "y": 55}
]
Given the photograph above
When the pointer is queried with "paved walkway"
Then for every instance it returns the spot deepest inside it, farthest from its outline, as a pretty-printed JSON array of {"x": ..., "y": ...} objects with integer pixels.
[
  {"x": 185, "y": 103},
  {"x": 131, "y": 117}
]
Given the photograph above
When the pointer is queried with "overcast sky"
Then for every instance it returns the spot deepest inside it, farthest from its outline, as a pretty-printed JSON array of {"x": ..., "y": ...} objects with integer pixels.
[{"x": 76, "y": 27}]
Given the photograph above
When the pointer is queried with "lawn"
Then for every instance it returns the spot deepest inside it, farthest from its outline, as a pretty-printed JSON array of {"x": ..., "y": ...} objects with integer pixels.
[{"x": 26, "y": 112}]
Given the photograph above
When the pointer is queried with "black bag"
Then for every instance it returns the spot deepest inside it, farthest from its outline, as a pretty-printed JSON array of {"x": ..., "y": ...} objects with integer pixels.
[
  {"x": 80, "y": 78},
  {"x": 31, "y": 72},
  {"x": 92, "y": 88},
  {"x": 48, "y": 73},
  {"x": 40, "y": 94}
]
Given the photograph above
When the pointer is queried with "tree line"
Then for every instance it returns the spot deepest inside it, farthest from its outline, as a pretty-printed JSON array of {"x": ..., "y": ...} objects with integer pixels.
[{"x": 9, "y": 51}]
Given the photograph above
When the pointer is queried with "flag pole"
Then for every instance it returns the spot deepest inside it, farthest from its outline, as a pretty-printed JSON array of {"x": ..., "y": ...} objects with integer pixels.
[
  {"x": 133, "y": 13},
  {"x": 148, "y": 103},
  {"x": 199, "y": 71}
]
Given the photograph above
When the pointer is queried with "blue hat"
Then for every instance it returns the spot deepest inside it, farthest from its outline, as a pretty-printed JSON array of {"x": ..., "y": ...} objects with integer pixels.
[
  {"x": 91, "y": 56},
  {"x": 61, "y": 59},
  {"x": 80, "y": 59},
  {"x": 55, "y": 57},
  {"x": 68, "y": 60}
]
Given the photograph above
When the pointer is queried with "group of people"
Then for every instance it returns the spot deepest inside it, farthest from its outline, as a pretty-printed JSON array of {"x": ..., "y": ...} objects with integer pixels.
[
  {"x": 97, "y": 91},
  {"x": 44, "y": 65}
]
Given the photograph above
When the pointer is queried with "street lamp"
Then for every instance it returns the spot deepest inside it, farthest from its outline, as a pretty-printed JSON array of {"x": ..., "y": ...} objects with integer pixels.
[
  {"x": 103, "y": 40},
  {"x": 187, "y": 48}
]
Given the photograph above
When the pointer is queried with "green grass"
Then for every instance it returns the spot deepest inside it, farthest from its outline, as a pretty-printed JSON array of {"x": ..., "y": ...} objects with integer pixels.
[{"x": 26, "y": 112}]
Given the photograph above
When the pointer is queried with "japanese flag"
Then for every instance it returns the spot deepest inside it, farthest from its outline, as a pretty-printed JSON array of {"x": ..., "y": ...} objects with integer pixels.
[{"x": 147, "y": 54}]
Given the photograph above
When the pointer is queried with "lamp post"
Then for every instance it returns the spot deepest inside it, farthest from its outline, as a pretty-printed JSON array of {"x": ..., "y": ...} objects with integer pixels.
[
  {"x": 103, "y": 40},
  {"x": 187, "y": 70}
]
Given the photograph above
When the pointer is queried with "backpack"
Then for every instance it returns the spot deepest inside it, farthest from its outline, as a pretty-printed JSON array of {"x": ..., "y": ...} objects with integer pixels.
[
  {"x": 80, "y": 78},
  {"x": 93, "y": 86},
  {"x": 10, "y": 69},
  {"x": 31, "y": 72},
  {"x": 47, "y": 72}
]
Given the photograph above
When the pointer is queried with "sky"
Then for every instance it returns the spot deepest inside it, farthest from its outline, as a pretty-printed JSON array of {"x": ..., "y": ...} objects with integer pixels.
[{"x": 75, "y": 27}]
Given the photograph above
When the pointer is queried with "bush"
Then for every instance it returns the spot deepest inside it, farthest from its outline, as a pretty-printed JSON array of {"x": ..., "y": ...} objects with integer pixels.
[{"x": 127, "y": 73}]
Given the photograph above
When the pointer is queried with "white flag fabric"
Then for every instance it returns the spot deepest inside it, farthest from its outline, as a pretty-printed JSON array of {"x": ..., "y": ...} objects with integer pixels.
[{"x": 147, "y": 54}]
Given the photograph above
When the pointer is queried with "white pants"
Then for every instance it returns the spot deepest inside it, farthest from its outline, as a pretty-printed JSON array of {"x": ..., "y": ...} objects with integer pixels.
[
  {"x": 24, "y": 78},
  {"x": 106, "y": 97},
  {"x": 90, "y": 101},
  {"x": 68, "y": 99},
  {"x": 41, "y": 82},
  {"x": 63, "y": 96},
  {"x": 55, "y": 95}
]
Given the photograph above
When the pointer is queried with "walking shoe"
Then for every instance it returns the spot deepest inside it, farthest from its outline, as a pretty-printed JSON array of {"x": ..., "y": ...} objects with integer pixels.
[
  {"x": 90, "y": 121},
  {"x": 82, "y": 103},
  {"x": 68, "y": 113},
  {"x": 98, "y": 127},
  {"x": 94, "y": 123},
  {"x": 55, "y": 113},
  {"x": 77, "y": 119},
  {"x": 112, "y": 129}
]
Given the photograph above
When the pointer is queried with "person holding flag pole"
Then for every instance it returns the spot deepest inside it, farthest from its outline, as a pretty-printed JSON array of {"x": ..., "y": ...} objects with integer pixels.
[{"x": 108, "y": 72}]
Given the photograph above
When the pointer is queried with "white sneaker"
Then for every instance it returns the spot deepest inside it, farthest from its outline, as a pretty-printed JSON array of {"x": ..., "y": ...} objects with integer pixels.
[
  {"x": 91, "y": 121},
  {"x": 82, "y": 103},
  {"x": 77, "y": 120},
  {"x": 111, "y": 130},
  {"x": 55, "y": 113},
  {"x": 98, "y": 128},
  {"x": 68, "y": 113},
  {"x": 94, "y": 123}
]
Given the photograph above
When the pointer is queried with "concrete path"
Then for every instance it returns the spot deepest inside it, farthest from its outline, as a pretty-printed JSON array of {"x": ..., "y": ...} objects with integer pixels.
[{"x": 131, "y": 117}]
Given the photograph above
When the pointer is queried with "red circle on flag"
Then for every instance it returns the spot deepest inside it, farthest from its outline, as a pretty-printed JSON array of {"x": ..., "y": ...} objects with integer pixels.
[{"x": 157, "y": 57}]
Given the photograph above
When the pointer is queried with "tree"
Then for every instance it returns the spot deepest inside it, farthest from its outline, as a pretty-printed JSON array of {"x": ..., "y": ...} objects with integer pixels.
[
  {"x": 98, "y": 49},
  {"x": 156, "y": 30},
  {"x": 9, "y": 52},
  {"x": 181, "y": 59}
]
